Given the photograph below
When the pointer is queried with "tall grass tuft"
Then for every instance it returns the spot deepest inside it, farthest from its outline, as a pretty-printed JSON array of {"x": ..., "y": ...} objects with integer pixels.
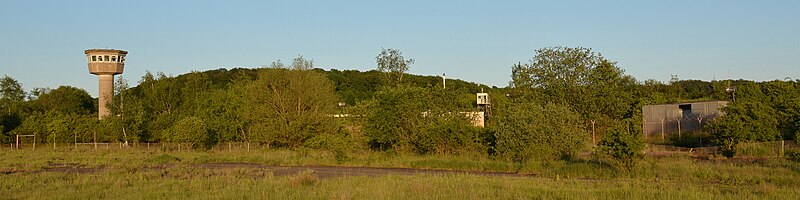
[{"x": 304, "y": 178}]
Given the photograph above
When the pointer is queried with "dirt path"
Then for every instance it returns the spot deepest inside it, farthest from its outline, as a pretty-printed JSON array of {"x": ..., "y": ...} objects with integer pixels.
[
  {"x": 339, "y": 171},
  {"x": 319, "y": 171}
]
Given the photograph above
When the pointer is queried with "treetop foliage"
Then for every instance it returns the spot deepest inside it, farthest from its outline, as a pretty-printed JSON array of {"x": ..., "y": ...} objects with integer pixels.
[{"x": 392, "y": 62}]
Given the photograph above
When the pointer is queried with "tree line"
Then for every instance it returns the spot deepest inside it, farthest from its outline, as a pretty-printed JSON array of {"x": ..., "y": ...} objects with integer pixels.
[
  {"x": 280, "y": 106},
  {"x": 564, "y": 100}
]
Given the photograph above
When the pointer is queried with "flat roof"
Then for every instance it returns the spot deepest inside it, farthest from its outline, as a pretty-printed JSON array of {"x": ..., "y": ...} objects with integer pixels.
[
  {"x": 105, "y": 50},
  {"x": 687, "y": 103}
]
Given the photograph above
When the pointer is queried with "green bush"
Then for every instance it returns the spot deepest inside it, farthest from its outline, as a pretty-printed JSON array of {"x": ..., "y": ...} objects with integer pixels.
[
  {"x": 793, "y": 155},
  {"x": 393, "y": 116},
  {"x": 531, "y": 131},
  {"x": 287, "y": 107},
  {"x": 748, "y": 121},
  {"x": 419, "y": 120},
  {"x": 797, "y": 137},
  {"x": 620, "y": 147}
]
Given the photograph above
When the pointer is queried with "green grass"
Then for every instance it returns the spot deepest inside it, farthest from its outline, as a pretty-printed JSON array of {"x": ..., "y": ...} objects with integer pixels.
[
  {"x": 133, "y": 174},
  {"x": 759, "y": 150},
  {"x": 233, "y": 184}
]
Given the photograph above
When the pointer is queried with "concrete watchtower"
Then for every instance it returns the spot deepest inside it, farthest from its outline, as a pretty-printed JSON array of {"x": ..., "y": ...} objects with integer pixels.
[{"x": 105, "y": 63}]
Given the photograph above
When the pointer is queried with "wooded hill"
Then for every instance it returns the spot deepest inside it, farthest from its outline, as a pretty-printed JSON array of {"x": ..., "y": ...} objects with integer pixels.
[{"x": 554, "y": 99}]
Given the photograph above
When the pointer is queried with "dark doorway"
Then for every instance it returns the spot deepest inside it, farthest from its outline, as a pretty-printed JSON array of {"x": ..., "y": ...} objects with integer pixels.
[{"x": 686, "y": 109}]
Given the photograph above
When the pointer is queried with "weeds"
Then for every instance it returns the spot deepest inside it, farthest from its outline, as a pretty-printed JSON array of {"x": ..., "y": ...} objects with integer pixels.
[{"x": 304, "y": 178}]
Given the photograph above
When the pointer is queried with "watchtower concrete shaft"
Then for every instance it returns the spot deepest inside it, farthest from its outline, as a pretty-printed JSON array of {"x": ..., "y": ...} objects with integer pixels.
[{"x": 105, "y": 63}]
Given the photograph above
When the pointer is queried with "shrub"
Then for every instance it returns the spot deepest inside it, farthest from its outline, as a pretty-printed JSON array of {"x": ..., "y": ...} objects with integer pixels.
[
  {"x": 392, "y": 117},
  {"x": 419, "y": 120},
  {"x": 797, "y": 137},
  {"x": 749, "y": 121},
  {"x": 793, "y": 155},
  {"x": 531, "y": 131},
  {"x": 288, "y": 107},
  {"x": 620, "y": 147}
]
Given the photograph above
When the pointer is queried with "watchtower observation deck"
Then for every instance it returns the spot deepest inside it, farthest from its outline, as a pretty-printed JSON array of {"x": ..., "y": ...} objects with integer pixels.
[{"x": 105, "y": 63}]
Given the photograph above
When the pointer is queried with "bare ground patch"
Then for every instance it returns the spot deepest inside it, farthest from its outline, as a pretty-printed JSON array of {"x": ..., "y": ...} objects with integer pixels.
[
  {"x": 343, "y": 171},
  {"x": 319, "y": 171}
]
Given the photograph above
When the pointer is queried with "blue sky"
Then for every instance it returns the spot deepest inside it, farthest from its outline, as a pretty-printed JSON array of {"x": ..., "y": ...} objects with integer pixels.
[{"x": 42, "y": 42}]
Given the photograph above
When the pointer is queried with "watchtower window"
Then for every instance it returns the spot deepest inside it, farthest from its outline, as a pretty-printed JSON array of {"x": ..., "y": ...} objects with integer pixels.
[
  {"x": 94, "y": 58},
  {"x": 106, "y": 58},
  {"x": 113, "y": 58}
]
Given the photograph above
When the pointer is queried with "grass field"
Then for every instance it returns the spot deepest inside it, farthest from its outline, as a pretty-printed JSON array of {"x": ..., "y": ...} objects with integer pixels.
[{"x": 138, "y": 174}]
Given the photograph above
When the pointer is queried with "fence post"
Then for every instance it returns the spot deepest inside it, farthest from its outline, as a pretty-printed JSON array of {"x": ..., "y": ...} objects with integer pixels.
[
  {"x": 662, "y": 129},
  {"x": 679, "y": 128},
  {"x": 593, "y": 137},
  {"x": 644, "y": 132},
  {"x": 782, "y": 146}
]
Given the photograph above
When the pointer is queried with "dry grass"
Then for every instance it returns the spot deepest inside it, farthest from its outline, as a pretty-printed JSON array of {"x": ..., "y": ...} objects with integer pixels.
[{"x": 304, "y": 178}]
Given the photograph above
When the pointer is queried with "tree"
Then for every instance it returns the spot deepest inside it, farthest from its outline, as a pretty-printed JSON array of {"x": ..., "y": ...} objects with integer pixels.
[
  {"x": 66, "y": 100},
  {"x": 12, "y": 96},
  {"x": 191, "y": 130},
  {"x": 59, "y": 127},
  {"x": 11, "y": 93},
  {"x": 392, "y": 117},
  {"x": 391, "y": 61},
  {"x": 37, "y": 92},
  {"x": 287, "y": 107},
  {"x": 300, "y": 63},
  {"x": 419, "y": 120},
  {"x": 579, "y": 78},
  {"x": 194, "y": 90},
  {"x": 744, "y": 122},
  {"x": 235, "y": 109},
  {"x": 160, "y": 98},
  {"x": 276, "y": 65},
  {"x": 119, "y": 115}
]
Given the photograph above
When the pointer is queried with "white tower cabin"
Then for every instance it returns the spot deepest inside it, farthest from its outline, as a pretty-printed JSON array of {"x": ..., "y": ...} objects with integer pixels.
[{"x": 484, "y": 104}]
